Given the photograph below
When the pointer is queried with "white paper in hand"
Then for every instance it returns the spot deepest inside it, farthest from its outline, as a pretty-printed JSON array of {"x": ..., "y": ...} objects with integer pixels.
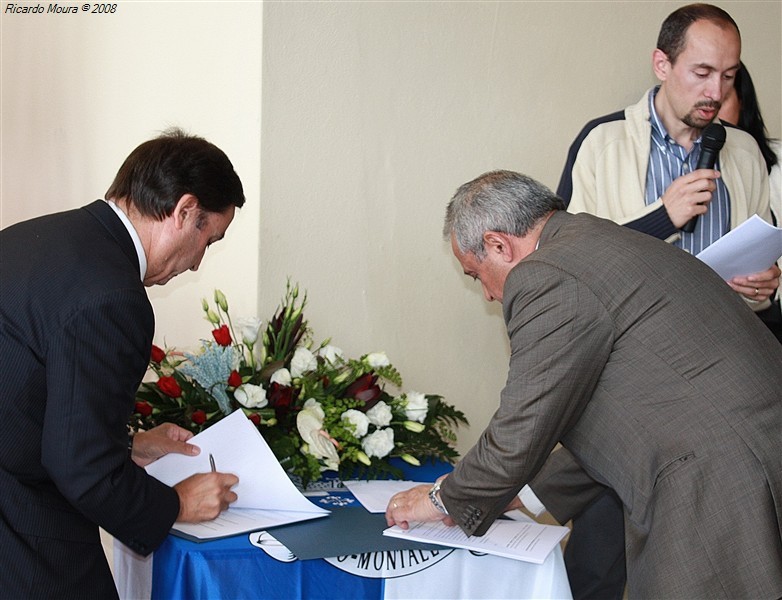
[
  {"x": 237, "y": 448},
  {"x": 750, "y": 248}
]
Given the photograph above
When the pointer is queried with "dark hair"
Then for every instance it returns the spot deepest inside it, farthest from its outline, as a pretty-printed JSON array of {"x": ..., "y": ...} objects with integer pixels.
[
  {"x": 160, "y": 171},
  {"x": 673, "y": 32},
  {"x": 502, "y": 201},
  {"x": 750, "y": 119}
]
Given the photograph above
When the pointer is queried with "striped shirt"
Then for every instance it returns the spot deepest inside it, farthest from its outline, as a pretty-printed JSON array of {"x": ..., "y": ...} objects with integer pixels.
[{"x": 667, "y": 161}]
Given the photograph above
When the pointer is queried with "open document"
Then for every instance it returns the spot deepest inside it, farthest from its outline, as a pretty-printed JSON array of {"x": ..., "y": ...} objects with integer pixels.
[
  {"x": 518, "y": 539},
  {"x": 750, "y": 248},
  {"x": 266, "y": 496}
]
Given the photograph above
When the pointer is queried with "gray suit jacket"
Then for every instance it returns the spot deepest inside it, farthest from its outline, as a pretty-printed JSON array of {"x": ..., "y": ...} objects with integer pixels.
[{"x": 663, "y": 385}]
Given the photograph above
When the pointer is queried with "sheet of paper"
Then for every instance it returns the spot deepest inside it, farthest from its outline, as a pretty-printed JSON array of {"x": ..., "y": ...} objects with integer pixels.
[
  {"x": 237, "y": 447},
  {"x": 374, "y": 495},
  {"x": 239, "y": 520},
  {"x": 517, "y": 539},
  {"x": 750, "y": 248}
]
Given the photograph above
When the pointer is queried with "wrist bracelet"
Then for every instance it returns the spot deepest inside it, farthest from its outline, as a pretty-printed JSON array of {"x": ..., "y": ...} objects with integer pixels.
[{"x": 435, "y": 500}]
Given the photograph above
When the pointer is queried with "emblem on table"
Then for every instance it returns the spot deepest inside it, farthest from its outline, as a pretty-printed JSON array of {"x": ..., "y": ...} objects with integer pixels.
[
  {"x": 336, "y": 501},
  {"x": 389, "y": 563},
  {"x": 273, "y": 547}
]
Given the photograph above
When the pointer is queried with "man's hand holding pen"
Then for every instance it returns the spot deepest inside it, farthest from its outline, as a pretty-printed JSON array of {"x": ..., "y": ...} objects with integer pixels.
[{"x": 203, "y": 496}]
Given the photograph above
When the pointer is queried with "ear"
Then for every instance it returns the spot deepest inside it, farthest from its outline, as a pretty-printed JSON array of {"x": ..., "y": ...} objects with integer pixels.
[
  {"x": 499, "y": 245},
  {"x": 660, "y": 64},
  {"x": 187, "y": 208}
]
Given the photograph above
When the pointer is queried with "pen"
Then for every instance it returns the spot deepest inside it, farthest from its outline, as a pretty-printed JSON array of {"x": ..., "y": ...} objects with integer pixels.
[{"x": 212, "y": 462}]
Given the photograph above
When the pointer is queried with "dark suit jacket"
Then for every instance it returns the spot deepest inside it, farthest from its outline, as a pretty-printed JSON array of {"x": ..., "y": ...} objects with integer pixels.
[
  {"x": 663, "y": 385},
  {"x": 75, "y": 335}
]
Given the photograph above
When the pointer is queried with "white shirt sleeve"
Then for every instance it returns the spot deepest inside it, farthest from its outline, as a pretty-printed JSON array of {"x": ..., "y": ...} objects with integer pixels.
[{"x": 531, "y": 502}]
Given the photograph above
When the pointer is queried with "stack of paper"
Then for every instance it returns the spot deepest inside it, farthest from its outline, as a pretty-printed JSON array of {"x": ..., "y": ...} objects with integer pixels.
[{"x": 518, "y": 539}]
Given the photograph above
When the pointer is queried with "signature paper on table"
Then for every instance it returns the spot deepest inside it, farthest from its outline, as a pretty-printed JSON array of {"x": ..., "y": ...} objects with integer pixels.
[
  {"x": 522, "y": 539},
  {"x": 266, "y": 495},
  {"x": 750, "y": 248}
]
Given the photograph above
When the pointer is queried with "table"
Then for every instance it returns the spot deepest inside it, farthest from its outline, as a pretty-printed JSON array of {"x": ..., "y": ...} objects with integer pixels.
[{"x": 257, "y": 566}]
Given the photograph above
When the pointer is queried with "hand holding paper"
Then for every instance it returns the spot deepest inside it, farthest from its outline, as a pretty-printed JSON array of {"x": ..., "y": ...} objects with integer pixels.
[
  {"x": 520, "y": 539},
  {"x": 266, "y": 496},
  {"x": 750, "y": 248},
  {"x": 164, "y": 439},
  {"x": 758, "y": 286}
]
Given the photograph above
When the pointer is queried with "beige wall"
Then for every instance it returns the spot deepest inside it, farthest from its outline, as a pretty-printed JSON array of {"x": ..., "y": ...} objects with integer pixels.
[
  {"x": 351, "y": 124},
  {"x": 79, "y": 92}
]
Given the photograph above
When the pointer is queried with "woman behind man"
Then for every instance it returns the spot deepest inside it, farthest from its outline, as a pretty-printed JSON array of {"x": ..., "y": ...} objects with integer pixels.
[{"x": 741, "y": 109}]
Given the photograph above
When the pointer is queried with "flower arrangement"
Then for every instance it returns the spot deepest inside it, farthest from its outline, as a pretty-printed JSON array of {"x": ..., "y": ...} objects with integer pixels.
[{"x": 317, "y": 409}]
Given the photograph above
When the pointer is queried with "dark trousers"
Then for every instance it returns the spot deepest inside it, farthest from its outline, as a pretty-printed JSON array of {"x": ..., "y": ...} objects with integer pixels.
[
  {"x": 595, "y": 551},
  {"x": 772, "y": 317}
]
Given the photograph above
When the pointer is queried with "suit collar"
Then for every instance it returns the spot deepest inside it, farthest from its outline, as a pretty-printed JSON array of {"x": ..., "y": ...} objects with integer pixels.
[
  {"x": 114, "y": 226},
  {"x": 553, "y": 225}
]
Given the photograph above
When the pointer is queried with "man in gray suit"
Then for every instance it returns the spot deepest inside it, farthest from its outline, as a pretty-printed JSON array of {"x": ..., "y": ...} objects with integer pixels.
[
  {"x": 639, "y": 167},
  {"x": 647, "y": 368}
]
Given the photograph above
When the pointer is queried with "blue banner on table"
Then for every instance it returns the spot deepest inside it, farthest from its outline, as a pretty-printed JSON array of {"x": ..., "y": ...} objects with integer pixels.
[{"x": 235, "y": 568}]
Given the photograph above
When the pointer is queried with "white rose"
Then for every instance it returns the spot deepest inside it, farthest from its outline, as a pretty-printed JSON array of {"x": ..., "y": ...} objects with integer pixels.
[
  {"x": 379, "y": 443},
  {"x": 416, "y": 406},
  {"x": 249, "y": 328},
  {"x": 377, "y": 360},
  {"x": 380, "y": 414},
  {"x": 251, "y": 396},
  {"x": 359, "y": 421},
  {"x": 330, "y": 353},
  {"x": 281, "y": 377},
  {"x": 303, "y": 361}
]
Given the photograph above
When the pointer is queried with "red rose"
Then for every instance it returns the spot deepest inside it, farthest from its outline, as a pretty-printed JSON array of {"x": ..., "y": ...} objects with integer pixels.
[
  {"x": 144, "y": 408},
  {"x": 198, "y": 416},
  {"x": 279, "y": 396},
  {"x": 234, "y": 379},
  {"x": 222, "y": 335},
  {"x": 158, "y": 354},
  {"x": 169, "y": 387},
  {"x": 255, "y": 418}
]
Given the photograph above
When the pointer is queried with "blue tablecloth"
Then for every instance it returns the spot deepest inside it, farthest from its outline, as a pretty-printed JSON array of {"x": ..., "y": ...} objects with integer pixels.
[{"x": 257, "y": 566}]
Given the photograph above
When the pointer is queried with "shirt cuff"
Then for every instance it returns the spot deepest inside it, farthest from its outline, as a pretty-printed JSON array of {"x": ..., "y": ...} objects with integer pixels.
[{"x": 531, "y": 502}]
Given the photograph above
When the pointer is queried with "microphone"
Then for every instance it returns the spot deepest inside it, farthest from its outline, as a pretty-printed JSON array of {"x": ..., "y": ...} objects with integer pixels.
[{"x": 712, "y": 141}]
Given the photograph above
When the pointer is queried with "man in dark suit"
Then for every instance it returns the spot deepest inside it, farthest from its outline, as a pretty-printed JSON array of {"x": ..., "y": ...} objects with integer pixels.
[
  {"x": 648, "y": 369},
  {"x": 76, "y": 331}
]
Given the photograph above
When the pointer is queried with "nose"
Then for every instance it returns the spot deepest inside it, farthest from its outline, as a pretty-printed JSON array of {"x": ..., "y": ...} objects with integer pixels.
[
  {"x": 716, "y": 88},
  {"x": 487, "y": 295}
]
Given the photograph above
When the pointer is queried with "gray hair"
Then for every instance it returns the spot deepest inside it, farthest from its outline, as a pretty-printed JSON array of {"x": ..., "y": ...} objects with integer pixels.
[{"x": 501, "y": 201}]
